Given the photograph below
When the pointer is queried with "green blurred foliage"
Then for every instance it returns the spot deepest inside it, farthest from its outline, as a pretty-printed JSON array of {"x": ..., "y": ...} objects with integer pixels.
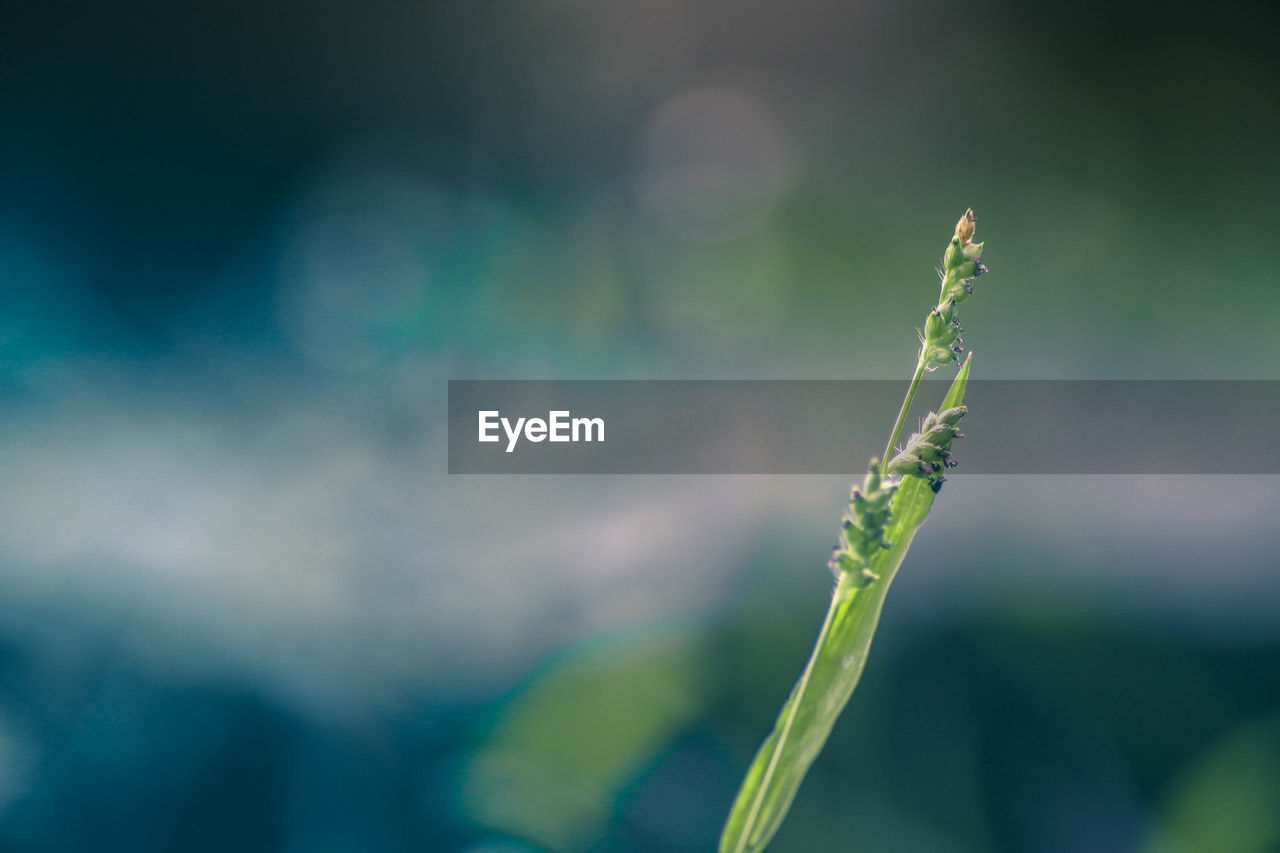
[{"x": 1016, "y": 729}]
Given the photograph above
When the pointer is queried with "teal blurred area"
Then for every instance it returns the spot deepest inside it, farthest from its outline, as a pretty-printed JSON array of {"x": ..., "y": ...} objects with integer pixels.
[{"x": 244, "y": 246}]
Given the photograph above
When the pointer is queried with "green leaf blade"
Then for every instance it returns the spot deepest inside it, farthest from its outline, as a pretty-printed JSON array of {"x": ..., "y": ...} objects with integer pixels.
[{"x": 829, "y": 678}]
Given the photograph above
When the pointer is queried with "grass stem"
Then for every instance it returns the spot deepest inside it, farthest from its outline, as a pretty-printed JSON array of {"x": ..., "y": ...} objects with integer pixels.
[
  {"x": 902, "y": 416},
  {"x": 840, "y": 593},
  {"x": 877, "y": 528}
]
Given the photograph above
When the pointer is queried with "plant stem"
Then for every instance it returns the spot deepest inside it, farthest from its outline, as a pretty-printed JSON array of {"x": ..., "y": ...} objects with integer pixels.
[
  {"x": 902, "y": 415},
  {"x": 841, "y": 592}
]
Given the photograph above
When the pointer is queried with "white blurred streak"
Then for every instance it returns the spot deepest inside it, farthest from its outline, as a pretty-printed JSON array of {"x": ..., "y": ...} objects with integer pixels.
[
  {"x": 1195, "y": 552},
  {"x": 305, "y": 543},
  {"x": 299, "y": 547}
]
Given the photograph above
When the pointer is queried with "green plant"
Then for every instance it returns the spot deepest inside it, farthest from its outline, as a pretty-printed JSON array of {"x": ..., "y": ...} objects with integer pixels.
[{"x": 884, "y": 514}]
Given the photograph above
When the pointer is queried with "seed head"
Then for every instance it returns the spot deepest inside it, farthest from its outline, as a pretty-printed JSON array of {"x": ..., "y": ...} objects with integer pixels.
[
  {"x": 941, "y": 339},
  {"x": 862, "y": 529},
  {"x": 961, "y": 265},
  {"x": 928, "y": 452}
]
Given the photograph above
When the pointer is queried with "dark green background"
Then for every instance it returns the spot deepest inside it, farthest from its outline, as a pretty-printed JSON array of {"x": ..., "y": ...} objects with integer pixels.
[{"x": 243, "y": 247}]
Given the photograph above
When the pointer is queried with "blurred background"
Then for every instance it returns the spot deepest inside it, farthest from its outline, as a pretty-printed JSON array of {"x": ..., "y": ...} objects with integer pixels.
[{"x": 243, "y": 246}]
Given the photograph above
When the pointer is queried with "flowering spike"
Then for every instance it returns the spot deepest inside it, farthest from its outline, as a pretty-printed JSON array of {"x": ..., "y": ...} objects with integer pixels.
[
  {"x": 961, "y": 264},
  {"x": 928, "y": 452},
  {"x": 863, "y": 527},
  {"x": 864, "y": 563}
]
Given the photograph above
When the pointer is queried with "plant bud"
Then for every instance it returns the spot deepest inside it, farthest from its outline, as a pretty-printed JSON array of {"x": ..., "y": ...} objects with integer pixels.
[
  {"x": 930, "y": 454},
  {"x": 863, "y": 527},
  {"x": 943, "y": 434},
  {"x": 907, "y": 464},
  {"x": 947, "y": 416},
  {"x": 961, "y": 264},
  {"x": 864, "y": 577},
  {"x": 840, "y": 562},
  {"x": 934, "y": 325},
  {"x": 953, "y": 255}
]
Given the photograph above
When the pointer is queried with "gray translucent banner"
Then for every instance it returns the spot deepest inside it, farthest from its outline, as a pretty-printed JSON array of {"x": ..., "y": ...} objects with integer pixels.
[{"x": 834, "y": 427}]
